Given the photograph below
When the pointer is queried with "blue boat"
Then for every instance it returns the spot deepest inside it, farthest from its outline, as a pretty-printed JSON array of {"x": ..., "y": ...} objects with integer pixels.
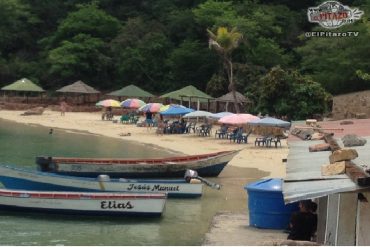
[{"x": 23, "y": 179}]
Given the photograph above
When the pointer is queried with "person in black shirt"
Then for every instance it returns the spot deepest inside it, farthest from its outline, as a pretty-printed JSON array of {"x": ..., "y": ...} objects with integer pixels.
[{"x": 303, "y": 224}]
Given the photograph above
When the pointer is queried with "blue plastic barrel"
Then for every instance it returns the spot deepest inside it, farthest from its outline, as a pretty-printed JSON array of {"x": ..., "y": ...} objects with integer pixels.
[{"x": 266, "y": 204}]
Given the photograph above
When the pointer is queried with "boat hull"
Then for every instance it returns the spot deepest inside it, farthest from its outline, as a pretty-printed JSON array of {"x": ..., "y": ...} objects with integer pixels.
[
  {"x": 18, "y": 178},
  {"x": 209, "y": 165},
  {"x": 97, "y": 204}
]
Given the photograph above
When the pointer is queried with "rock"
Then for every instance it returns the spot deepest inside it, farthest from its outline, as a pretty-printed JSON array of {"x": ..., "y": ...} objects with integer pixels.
[
  {"x": 34, "y": 111},
  {"x": 304, "y": 134},
  {"x": 317, "y": 136},
  {"x": 353, "y": 140},
  {"x": 319, "y": 147},
  {"x": 333, "y": 169},
  {"x": 343, "y": 154}
]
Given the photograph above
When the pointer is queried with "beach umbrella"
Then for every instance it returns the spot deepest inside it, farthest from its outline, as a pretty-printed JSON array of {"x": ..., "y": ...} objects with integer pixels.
[
  {"x": 174, "y": 109},
  {"x": 221, "y": 114},
  {"x": 198, "y": 114},
  {"x": 238, "y": 119},
  {"x": 132, "y": 103},
  {"x": 270, "y": 122},
  {"x": 151, "y": 107},
  {"x": 108, "y": 103}
]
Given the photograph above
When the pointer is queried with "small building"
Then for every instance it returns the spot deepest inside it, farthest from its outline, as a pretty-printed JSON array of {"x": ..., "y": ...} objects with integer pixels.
[
  {"x": 226, "y": 102},
  {"x": 79, "y": 92},
  {"x": 24, "y": 87},
  {"x": 196, "y": 99},
  {"x": 131, "y": 91},
  {"x": 343, "y": 205}
]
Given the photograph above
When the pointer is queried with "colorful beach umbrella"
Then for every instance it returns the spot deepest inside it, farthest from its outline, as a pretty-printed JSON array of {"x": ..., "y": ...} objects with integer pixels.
[
  {"x": 132, "y": 103},
  {"x": 108, "y": 103},
  {"x": 151, "y": 107},
  {"x": 238, "y": 119},
  {"x": 174, "y": 109}
]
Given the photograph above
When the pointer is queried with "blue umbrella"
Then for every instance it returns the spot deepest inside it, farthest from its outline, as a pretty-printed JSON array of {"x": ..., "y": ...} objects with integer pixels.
[
  {"x": 175, "y": 110},
  {"x": 221, "y": 114},
  {"x": 272, "y": 122}
]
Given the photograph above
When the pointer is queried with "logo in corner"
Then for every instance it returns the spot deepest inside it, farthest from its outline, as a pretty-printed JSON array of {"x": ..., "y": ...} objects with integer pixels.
[{"x": 333, "y": 14}]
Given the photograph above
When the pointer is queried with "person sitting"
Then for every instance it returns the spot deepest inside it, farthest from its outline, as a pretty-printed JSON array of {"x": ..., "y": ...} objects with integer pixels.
[
  {"x": 182, "y": 126},
  {"x": 109, "y": 113},
  {"x": 303, "y": 224}
]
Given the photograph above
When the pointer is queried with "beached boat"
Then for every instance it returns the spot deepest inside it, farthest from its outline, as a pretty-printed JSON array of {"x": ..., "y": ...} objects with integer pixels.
[
  {"x": 20, "y": 178},
  {"x": 207, "y": 165},
  {"x": 98, "y": 204}
]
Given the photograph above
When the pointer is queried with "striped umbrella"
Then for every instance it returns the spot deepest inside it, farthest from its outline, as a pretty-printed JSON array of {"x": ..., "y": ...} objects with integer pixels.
[
  {"x": 132, "y": 103},
  {"x": 108, "y": 103},
  {"x": 151, "y": 107},
  {"x": 238, "y": 119}
]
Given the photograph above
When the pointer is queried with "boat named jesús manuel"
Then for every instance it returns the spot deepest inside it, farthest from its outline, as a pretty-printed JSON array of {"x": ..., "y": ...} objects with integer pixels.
[{"x": 19, "y": 178}]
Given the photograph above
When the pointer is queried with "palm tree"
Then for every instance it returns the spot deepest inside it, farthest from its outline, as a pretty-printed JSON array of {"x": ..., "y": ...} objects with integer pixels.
[{"x": 224, "y": 42}]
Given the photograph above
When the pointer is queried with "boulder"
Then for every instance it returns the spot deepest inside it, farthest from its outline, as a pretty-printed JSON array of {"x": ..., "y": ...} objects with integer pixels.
[
  {"x": 353, "y": 140},
  {"x": 333, "y": 169},
  {"x": 343, "y": 154}
]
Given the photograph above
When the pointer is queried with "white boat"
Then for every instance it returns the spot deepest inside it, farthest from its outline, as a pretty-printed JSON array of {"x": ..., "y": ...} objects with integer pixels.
[
  {"x": 18, "y": 178},
  {"x": 98, "y": 204}
]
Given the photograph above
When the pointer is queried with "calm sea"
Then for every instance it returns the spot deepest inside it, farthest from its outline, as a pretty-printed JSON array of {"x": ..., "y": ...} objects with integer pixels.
[{"x": 184, "y": 222}]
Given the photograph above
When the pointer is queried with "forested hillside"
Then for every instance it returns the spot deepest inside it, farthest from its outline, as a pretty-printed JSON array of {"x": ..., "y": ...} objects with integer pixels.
[{"x": 162, "y": 45}]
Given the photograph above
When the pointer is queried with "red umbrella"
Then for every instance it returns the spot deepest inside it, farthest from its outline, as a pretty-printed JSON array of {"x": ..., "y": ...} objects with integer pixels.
[{"x": 238, "y": 119}]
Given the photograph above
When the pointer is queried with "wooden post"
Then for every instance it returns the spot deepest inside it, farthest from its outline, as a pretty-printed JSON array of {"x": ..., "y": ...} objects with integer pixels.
[{"x": 357, "y": 174}]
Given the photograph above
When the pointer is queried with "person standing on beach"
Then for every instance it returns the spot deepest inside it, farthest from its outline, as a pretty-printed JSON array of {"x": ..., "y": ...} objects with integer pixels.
[
  {"x": 63, "y": 107},
  {"x": 149, "y": 120}
]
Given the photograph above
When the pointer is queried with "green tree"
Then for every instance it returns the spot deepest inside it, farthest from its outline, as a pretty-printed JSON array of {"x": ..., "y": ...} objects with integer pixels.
[
  {"x": 333, "y": 61},
  {"x": 289, "y": 93},
  {"x": 80, "y": 58},
  {"x": 224, "y": 42},
  {"x": 79, "y": 49},
  {"x": 88, "y": 19},
  {"x": 191, "y": 63},
  {"x": 141, "y": 49}
]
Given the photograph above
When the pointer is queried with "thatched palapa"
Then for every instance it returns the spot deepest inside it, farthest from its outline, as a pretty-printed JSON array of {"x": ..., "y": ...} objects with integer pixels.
[{"x": 79, "y": 87}]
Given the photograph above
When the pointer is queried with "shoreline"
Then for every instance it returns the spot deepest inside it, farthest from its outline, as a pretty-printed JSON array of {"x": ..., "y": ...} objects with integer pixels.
[{"x": 265, "y": 159}]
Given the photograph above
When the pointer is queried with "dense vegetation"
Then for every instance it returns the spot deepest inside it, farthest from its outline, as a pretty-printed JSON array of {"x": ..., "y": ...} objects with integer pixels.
[{"x": 162, "y": 45}]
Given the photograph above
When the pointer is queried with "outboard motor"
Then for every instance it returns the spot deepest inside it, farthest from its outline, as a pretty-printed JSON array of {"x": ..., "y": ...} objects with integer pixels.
[
  {"x": 44, "y": 163},
  {"x": 190, "y": 174},
  {"x": 103, "y": 178}
]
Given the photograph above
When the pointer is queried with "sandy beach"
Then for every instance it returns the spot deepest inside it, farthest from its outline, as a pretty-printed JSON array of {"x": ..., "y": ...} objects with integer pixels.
[{"x": 265, "y": 159}]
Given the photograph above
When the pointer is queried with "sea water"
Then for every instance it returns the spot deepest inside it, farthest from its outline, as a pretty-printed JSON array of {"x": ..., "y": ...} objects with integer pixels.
[{"x": 184, "y": 222}]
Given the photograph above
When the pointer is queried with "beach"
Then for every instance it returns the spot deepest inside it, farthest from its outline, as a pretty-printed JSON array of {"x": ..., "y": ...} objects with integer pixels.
[
  {"x": 250, "y": 164},
  {"x": 265, "y": 159}
]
